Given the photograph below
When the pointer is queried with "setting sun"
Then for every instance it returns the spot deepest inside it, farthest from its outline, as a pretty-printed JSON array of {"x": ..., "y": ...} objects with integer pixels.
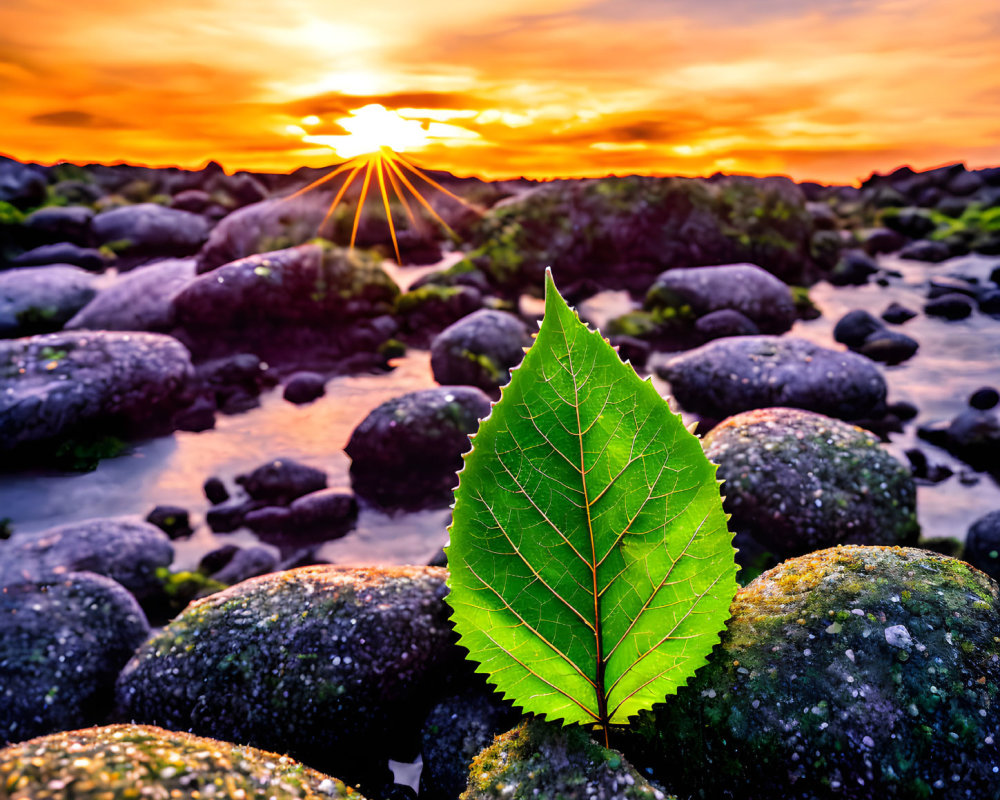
[{"x": 371, "y": 128}]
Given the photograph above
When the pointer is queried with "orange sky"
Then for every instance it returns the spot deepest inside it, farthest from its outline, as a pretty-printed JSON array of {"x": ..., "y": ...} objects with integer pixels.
[{"x": 828, "y": 90}]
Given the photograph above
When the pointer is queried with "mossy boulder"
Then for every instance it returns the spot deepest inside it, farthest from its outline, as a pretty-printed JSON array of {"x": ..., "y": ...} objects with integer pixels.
[
  {"x": 622, "y": 232},
  {"x": 128, "y": 761},
  {"x": 336, "y": 666},
  {"x": 798, "y": 481},
  {"x": 62, "y": 642},
  {"x": 853, "y": 672},
  {"x": 311, "y": 297},
  {"x": 742, "y": 373},
  {"x": 540, "y": 760},
  {"x": 480, "y": 350},
  {"x": 407, "y": 451},
  {"x": 427, "y": 309}
]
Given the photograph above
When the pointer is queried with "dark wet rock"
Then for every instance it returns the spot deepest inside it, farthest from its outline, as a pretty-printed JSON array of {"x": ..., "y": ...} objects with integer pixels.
[
  {"x": 948, "y": 284},
  {"x": 989, "y": 301},
  {"x": 897, "y": 314},
  {"x": 229, "y": 515},
  {"x": 925, "y": 250},
  {"x": 128, "y": 551},
  {"x": 798, "y": 481},
  {"x": 746, "y": 288},
  {"x": 974, "y": 436},
  {"x": 623, "y": 232},
  {"x": 982, "y": 544},
  {"x": 284, "y": 303},
  {"x": 41, "y": 299},
  {"x": 246, "y": 563},
  {"x": 738, "y": 374},
  {"x": 425, "y": 310},
  {"x": 21, "y": 185},
  {"x": 880, "y": 240},
  {"x": 924, "y": 470},
  {"x": 61, "y": 385},
  {"x": 304, "y": 387},
  {"x": 268, "y": 519},
  {"x": 539, "y": 759},
  {"x": 60, "y": 224},
  {"x": 964, "y": 184},
  {"x": 855, "y": 327},
  {"x": 823, "y": 216},
  {"x": 914, "y": 223},
  {"x": 725, "y": 322},
  {"x": 172, "y": 520},
  {"x": 985, "y": 398},
  {"x": 455, "y": 732},
  {"x": 261, "y": 228},
  {"x": 145, "y": 761},
  {"x": 234, "y": 381},
  {"x": 139, "y": 300},
  {"x": 888, "y": 347},
  {"x": 216, "y": 559},
  {"x": 854, "y": 672},
  {"x": 215, "y": 490},
  {"x": 479, "y": 350},
  {"x": 853, "y": 269},
  {"x": 273, "y": 660},
  {"x": 62, "y": 643},
  {"x": 408, "y": 450},
  {"x": 903, "y": 410},
  {"x": 950, "y": 306},
  {"x": 326, "y": 514},
  {"x": 151, "y": 229},
  {"x": 282, "y": 480},
  {"x": 197, "y": 417},
  {"x": 62, "y": 253},
  {"x": 243, "y": 188}
]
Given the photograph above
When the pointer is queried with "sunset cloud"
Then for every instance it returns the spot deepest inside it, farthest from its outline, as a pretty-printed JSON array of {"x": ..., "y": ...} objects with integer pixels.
[{"x": 552, "y": 88}]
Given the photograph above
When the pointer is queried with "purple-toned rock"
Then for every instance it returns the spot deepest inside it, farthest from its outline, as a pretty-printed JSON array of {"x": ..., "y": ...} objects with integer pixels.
[
  {"x": 479, "y": 350},
  {"x": 282, "y": 480},
  {"x": 60, "y": 224},
  {"x": 151, "y": 229},
  {"x": 41, "y": 299},
  {"x": 61, "y": 253},
  {"x": 304, "y": 387}
]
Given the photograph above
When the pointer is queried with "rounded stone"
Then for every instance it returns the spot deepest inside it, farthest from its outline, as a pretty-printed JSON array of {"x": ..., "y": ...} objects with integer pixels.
[
  {"x": 541, "y": 759},
  {"x": 408, "y": 450},
  {"x": 479, "y": 350},
  {"x": 146, "y": 761},
  {"x": 332, "y": 665},
  {"x": 741, "y": 373},
  {"x": 855, "y": 327},
  {"x": 725, "y": 322},
  {"x": 62, "y": 643},
  {"x": 282, "y": 480},
  {"x": 41, "y": 299},
  {"x": 950, "y": 306},
  {"x": 850, "y": 673},
  {"x": 304, "y": 387},
  {"x": 798, "y": 481},
  {"x": 984, "y": 399},
  {"x": 889, "y": 347},
  {"x": 982, "y": 544}
]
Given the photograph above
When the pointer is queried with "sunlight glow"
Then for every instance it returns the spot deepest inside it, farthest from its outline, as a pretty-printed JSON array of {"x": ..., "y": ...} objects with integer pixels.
[{"x": 371, "y": 128}]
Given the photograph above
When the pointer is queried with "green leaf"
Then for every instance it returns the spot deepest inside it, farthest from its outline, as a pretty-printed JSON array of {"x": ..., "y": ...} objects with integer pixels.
[{"x": 591, "y": 570}]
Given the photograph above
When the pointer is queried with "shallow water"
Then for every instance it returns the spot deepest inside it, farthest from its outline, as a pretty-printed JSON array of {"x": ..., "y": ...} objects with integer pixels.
[{"x": 955, "y": 358}]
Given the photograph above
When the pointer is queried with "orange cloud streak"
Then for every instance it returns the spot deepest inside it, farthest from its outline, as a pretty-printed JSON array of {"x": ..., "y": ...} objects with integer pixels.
[{"x": 560, "y": 88}]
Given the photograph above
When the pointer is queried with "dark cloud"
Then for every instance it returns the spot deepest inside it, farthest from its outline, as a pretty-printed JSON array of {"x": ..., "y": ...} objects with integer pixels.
[
  {"x": 75, "y": 119},
  {"x": 338, "y": 103}
]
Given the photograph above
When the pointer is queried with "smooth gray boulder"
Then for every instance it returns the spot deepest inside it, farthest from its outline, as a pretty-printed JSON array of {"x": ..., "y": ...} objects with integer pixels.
[
  {"x": 140, "y": 300},
  {"x": 741, "y": 373},
  {"x": 41, "y": 299}
]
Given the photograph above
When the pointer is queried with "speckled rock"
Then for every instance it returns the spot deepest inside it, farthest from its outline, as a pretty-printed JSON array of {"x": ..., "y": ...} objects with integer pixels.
[
  {"x": 310, "y": 296},
  {"x": 335, "y": 666},
  {"x": 454, "y": 733},
  {"x": 798, "y": 481},
  {"x": 742, "y": 373},
  {"x": 140, "y": 761},
  {"x": 754, "y": 292},
  {"x": 149, "y": 228},
  {"x": 62, "y": 644},
  {"x": 140, "y": 300},
  {"x": 541, "y": 761},
  {"x": 479, "y": 350},
  {"x": 408, "y": 450},
  {"x": 854, "y": 672},
  {"x": 61, "y": 384},
  {"x": 41, "y": 299},
  {"x": 126, "y": 550},
  {"x": 281, "y": 480}
]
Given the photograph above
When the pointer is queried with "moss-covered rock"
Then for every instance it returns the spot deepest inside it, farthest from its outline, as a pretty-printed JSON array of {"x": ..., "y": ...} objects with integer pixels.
[
  {"x": 480, "y": 350},
  {"x": 335, "y": 666},
  {"x": 622, "y": 232},
  {"x": 425, "y": 310},
  {"x": 798, "y": 481},
  {"x": 135, "y": 761},
  {"x": 543, "y": 761},
  {"x": 853, "y": 672}
]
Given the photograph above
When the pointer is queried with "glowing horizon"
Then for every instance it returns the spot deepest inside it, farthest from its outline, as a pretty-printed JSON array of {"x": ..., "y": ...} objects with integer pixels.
[{"x": 562, "y": 88}]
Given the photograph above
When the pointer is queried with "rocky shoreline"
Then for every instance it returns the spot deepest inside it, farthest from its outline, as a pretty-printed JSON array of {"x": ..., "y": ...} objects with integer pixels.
[{"x": 138, "y": 302}]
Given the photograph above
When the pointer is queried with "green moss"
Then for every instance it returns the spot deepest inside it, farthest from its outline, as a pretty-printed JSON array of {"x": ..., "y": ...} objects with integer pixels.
[
  {"x": 10, "y": 214},
  {"x": 35, "y": 319},
  {"x": 422, "y": 296},
  {"x": 392, "y": 348},
  {"x": 83, "y": 452}
]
